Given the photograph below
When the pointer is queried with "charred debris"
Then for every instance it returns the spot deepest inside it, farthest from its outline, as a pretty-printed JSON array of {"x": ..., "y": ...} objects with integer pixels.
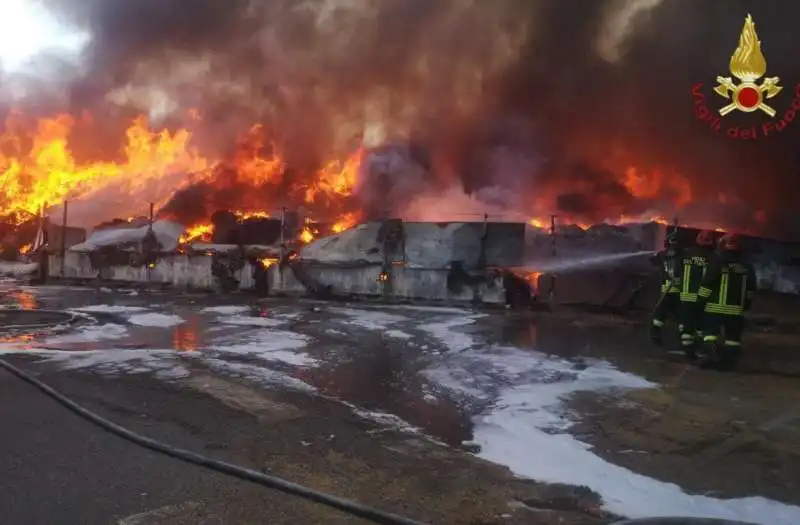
[{"x": 485, "y": 262}]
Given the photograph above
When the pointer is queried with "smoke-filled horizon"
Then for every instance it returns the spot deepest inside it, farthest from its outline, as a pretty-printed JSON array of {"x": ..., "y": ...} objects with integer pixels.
[{"x": 531, "y": 106}]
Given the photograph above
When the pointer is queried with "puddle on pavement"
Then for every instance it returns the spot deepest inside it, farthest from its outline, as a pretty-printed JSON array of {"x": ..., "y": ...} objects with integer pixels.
[
  {"x": 382, "y": 376},
  {"x": 20, "y": 299},
  {"x": 24, "y": 340},
  {"x": 186, "y": 336},
  {"x": 567, "y": 338}
]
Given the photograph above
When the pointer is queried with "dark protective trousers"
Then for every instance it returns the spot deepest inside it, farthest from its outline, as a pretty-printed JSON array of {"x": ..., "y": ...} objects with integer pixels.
[
  {"x": 690, "y": 326},
  {"x": 666, "y": 307},
  {"x": 722, "y": 340}
]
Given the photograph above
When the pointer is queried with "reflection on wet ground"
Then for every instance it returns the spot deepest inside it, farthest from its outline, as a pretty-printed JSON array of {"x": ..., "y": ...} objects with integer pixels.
[
  {"x": 18, "y": 298},
  {"x": 355, "y": 361},
  {"x": 23, "y": 339},
  {"x": 512, "y": 381},
  {"x": 185, "y": 336},
  {"x": 382, "y": 375},
  {"x": 22, "y": 299}
]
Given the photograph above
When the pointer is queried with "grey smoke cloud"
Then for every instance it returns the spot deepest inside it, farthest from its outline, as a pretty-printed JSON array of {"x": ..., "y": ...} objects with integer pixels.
[{"x": 547, "y": 98}]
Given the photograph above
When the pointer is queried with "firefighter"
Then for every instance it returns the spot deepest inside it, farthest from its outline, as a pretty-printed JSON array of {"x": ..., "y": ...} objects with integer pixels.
[
  {"x": 669, "y": 300},
  {"x": 725, "y": 295},
  {"x": 689, "y": 273}
]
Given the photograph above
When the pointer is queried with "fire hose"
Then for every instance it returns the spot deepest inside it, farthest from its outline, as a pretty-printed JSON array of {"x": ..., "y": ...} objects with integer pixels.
[{"x": 272, "y": 482}]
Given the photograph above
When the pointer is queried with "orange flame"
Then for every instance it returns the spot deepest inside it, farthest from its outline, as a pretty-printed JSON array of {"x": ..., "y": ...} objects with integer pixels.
[
  {"x": 48, "y": 174},
  {"x": 266, "y": 262},
  {"x": 335, "y": 179},
  {"x": 306, "y": 235},
  {"x": 345, "y": 222},
  {"x": 197, "y": 233},
  {"x": 245, "y": 215},
  {"x": 38, "y": 168}
]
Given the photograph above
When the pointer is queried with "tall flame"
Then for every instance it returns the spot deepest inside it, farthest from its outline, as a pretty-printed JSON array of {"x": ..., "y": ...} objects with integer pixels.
[
  {"x": 748, "y": 63},
  {"x": 46, "y": 173},
  {"x": 38, "y": 168}
]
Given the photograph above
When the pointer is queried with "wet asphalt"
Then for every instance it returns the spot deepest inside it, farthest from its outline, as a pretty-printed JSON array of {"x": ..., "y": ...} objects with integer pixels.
[{"x": 56, "y": 468}]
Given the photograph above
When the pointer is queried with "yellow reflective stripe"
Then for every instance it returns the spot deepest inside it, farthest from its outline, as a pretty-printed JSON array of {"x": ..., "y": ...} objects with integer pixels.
[
  {"x": 723, "y": 289},
  {"x": 658, "y": 322},
  {"x": 732, "y": 343},
  {"x": 709, "y": 338},
  {"x": 704, "y": 292},
  {"x": 689, "y": 337},
  {"x": 727, "y": 309},
  {"x": 687, "y": 274},
  {"x": 688, "y": 297}
]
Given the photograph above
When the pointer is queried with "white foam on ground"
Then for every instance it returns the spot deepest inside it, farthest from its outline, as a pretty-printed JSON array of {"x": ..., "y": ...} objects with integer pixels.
[
  {"x": 292, "y": 315},
  {"x": 226, "y": 310},
  {"x": 244, "y": 320},
  {"x": 369, "y": 319},
  {"x": 163, "y": 364},
  {"x": 525, "y": 429},
  {"x": 387, "y": 420},
  {"x": 259, "y": 374},
  {"x": 445, "y": 332},
  {"x": 108, "y": 309},
  {"x": 397, "y": 334},
  {"x": 272, "y": 345},
  {"x": 156, "y": 320},
  {"x": 431, "y": 309},
  {"x": 90, "y": 334}
]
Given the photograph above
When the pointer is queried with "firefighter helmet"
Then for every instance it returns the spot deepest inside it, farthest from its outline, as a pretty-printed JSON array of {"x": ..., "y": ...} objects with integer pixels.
[
  {"x": 705, "y": 238},
  {"x": 730, "y": 242}
]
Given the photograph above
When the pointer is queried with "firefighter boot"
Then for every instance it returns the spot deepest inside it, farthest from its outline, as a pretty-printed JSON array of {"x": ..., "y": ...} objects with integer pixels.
[
  {"x": 689, "y": 346},
  {"x": 655, "y": 331}
]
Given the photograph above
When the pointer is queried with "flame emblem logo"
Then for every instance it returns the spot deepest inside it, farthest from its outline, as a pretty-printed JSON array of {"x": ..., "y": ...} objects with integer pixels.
[{"x": 748, "y": 65}]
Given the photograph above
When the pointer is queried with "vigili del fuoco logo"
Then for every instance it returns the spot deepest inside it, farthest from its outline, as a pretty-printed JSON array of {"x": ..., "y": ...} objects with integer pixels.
[{"x": 751, "y": 94}]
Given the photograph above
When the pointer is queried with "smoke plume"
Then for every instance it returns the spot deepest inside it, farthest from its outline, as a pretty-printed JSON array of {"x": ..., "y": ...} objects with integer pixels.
[{"x": 578, "y": 108}]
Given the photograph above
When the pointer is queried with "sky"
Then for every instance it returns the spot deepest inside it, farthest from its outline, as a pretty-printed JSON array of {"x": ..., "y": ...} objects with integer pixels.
[{"x": 30, "y": 30}]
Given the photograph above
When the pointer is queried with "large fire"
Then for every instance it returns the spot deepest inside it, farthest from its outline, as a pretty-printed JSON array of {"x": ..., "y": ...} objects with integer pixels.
[{"x": 39, "y": 168}]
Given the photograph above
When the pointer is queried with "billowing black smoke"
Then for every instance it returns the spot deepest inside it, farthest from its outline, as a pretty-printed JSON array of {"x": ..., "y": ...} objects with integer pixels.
[{"x": 535, "y": 100}]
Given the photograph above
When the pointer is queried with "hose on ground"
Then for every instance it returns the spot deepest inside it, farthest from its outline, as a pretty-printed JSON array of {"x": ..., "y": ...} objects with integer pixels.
[{"x": 272, "y": 482}]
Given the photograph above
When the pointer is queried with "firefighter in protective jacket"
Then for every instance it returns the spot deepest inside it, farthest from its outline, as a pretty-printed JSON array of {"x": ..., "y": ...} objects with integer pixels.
[
  {"x": 725, "y": 295},
  {"x": 669, "y": 301},
  {"x": 690, "y": 271}
]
